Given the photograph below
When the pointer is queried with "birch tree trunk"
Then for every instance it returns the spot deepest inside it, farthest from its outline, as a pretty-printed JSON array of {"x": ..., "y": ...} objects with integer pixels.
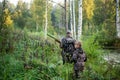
[
  {"x": 46, "y": 20},
  {"x": 37, "y": 23},
  {"x": 117, "y": 19},
  {"x": 74, "y": 23},
  {"x": 36, "y": 26},
  {"x": 79, "y": 20},
  {"x": 71, "y": 18},
  {"x": 66, "y": 26}
]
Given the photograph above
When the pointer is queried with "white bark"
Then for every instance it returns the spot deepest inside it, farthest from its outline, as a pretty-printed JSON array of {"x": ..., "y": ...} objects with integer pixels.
[
  {"x": 117, "y": 19},
  {"x": 74, "y": 26},
  {"x": 66, "y": 26},
  {"x": 37, "y": 23},
  {"x": 36, "y": 26},
  {"x": 46, "y": 20},
  {"x": 79, "y": 19},
  {"x": 71, "y": 18}
]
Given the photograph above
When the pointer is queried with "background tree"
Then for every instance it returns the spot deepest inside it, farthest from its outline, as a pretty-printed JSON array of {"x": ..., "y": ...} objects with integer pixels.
[
  {"x": 46, "y": 19},
  {"x": 74, "y": 22},
  {"x": 38, "y": 10},
  {"x": 21, "y": 14},
  {"x": 88, "y": 10},
  {"x": 117, "y": 18},
  {"x": 38, "y": 13},
  {"x": 6, "y": 28},
  {"x": 79, "y": 20},
  {"x": 105, "y": 22},
  {"x": 71, "y": 17},
  {"x": 66, "y": 21},
  {"x": 58, "y": 18}
]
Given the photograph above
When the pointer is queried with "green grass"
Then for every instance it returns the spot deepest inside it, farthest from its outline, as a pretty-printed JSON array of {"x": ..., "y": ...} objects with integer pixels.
[{"x": 45, "y": 62}]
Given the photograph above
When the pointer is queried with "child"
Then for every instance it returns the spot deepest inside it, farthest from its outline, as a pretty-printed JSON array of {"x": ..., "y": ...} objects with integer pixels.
[{"x": 79, "y": 59}]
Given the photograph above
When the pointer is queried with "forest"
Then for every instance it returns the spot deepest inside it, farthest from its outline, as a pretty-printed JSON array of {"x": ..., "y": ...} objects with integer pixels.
[{"x": 27, "y": 52}]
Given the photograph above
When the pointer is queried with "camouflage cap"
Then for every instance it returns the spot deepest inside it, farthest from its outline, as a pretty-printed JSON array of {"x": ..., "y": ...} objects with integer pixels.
[{"x": 68, "y": 32}]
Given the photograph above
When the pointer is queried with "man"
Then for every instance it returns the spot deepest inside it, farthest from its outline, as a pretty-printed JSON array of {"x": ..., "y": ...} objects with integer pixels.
[{"x": 67, "y": 45}]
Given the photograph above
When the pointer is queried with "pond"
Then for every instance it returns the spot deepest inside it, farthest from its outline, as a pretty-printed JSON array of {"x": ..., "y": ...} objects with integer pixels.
[{"x": 112, "y": 55}]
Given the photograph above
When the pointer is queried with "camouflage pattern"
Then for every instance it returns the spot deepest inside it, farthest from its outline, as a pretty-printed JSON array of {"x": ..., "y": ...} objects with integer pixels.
[
  {"x": 79, "y": 59},
  {"x": 67, "y": 45}
]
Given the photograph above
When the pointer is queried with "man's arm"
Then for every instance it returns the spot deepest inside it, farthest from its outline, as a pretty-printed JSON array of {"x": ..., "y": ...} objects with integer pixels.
[{"x": 62, "y": 43}]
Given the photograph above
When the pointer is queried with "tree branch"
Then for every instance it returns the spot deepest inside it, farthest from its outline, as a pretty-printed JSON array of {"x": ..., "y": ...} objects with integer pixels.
[{"x": 57, "y": 4}]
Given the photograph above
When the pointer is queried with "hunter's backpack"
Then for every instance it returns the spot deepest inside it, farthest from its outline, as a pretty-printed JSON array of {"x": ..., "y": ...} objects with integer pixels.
[{"x": 68, "y": 44}]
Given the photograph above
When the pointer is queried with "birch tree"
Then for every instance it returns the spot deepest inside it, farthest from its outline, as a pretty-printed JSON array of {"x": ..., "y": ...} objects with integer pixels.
[
  {"x": 79, "y": 19},
  {"x": 117, "y": 19},
  {"x": 38, "y": 8},
  {"x": 74, "y": 23},
  {"x": 46, "y": 20},
  {"x": 66, "y": 26},
  {"x": 71, "y": 18}
]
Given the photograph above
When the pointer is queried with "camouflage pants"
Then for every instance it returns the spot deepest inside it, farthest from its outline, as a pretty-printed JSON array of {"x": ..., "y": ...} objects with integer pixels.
[
  {"x": 78, "y": 68},
  {"x": 66, "y": 57}
]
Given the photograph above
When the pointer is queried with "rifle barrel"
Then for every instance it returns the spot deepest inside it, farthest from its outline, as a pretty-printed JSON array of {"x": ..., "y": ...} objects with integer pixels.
[{"x": 54, "y": 38}]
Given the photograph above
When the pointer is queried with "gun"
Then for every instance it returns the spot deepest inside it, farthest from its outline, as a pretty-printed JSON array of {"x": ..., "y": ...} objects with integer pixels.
[{"x": 53, "y": 38}]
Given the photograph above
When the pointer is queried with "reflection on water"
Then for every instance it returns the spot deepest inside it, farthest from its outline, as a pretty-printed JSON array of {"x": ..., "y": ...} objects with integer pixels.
[{"x": 113, "y": 55}]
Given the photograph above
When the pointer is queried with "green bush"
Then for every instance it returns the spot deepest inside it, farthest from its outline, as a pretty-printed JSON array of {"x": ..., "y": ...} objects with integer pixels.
[{"x": 96, "y": 67}]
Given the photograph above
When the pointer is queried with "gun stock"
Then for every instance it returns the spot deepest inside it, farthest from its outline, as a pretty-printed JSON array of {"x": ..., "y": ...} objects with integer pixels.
[{"x": 54, "y": 38}]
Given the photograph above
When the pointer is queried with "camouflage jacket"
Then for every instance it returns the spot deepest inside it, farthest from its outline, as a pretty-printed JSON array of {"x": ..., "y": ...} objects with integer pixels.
[
  {"x": 78, "y": 58},
  {"x": 79, "y": 55},
  {"x": 67, "y": 44}
]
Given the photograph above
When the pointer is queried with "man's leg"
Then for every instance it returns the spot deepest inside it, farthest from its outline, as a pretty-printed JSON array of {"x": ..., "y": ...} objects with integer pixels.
[
  {"x": 63, "y": 56},
  {"x": 70, "y": 57},
  {"x": 77, "y": 74}
]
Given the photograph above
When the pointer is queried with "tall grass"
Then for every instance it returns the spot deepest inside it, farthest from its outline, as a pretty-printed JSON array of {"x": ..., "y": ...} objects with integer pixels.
[{"x": 34, "y": 58}]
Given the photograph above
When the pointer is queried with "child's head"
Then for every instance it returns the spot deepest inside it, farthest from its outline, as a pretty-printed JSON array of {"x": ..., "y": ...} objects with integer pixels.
[{"x": 77, "y": 44}]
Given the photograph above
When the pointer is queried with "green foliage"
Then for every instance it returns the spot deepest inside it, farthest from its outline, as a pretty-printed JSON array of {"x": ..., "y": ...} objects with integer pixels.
[
  {"x": 104, "y": 19},
  {"x": 96, "y": 67},
  {"x": 37, "y": 10},
  {"x": 91, "y": 46},
  {"x": 105, "y": 10},
  {"x": 35, "y": 58},
  {"x": 57, "y": 19},
  {"x": 25, "y": 55},
  {"x": 21, "y": 14},
  {"x": 57, "y": 16},
  {"x": 6, "y": 29}
]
